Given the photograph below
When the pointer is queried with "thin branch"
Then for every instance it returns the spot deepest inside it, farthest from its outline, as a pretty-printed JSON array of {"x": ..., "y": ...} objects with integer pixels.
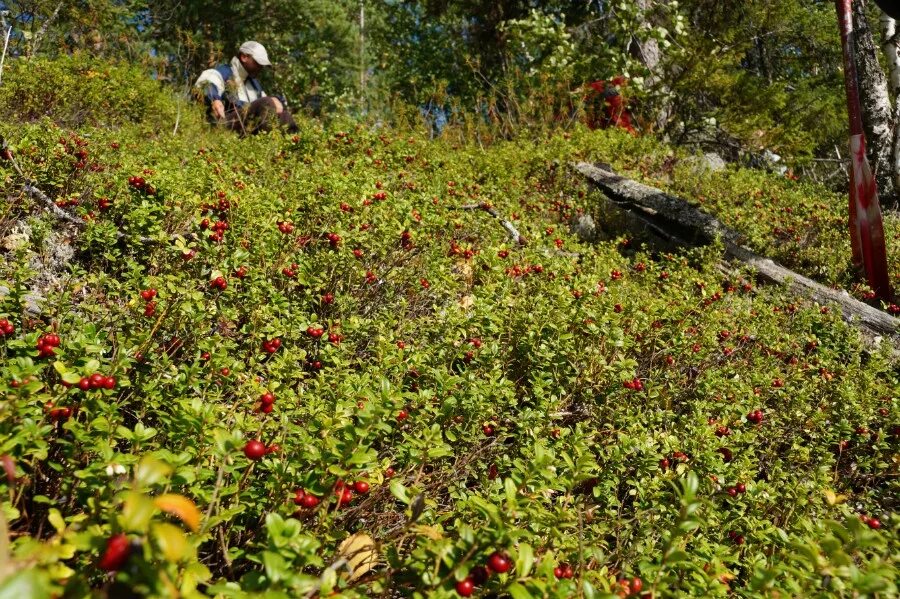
[
  {"x": 43, "y": 30},
  {"x": 5, "y": 46},
  {"x": 513, "y": 232}
]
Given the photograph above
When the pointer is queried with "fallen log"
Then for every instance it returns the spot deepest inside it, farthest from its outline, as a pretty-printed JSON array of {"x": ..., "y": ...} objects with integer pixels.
[{"x": 676, "y": 221}]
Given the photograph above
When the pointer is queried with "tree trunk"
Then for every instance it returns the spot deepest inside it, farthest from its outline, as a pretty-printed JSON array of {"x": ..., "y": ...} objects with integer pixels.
[
  {"x": 649, "y": 53},
  {"x": 876, "y": 104},
  {"x": 890, "y": 46}
]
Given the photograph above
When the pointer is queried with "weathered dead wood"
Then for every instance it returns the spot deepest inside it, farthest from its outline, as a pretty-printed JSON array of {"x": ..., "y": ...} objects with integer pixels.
[
  {"x": 510, "y": 228},
  {"x": 675, "y": 220}
]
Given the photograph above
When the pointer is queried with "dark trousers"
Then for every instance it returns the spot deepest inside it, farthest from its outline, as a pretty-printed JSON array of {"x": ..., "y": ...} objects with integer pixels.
[{"x": 258, "y": 117}]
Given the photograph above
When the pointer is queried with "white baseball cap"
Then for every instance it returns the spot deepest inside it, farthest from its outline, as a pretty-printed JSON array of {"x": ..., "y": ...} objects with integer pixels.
[{"x": 256, "y": 51}]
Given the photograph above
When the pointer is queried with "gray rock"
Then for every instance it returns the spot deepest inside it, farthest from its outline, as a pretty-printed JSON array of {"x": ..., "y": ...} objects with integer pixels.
[
  {"x": 584, "y": 227},
  {"x": 709, "y": 162}
]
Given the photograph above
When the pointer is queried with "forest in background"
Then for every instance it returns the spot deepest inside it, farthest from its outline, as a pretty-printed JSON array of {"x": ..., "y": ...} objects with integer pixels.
[{"x": 736, "y": 78}]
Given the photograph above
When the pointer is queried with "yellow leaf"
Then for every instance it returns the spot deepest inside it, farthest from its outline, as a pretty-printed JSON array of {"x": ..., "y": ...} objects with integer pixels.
[
  {"x": 171, "y": 541},
  {"x": 834, "y": 499},
  {"x": 428, "y": 531},
  {"x": 181, "y": 507},
  {"x": 360, "y": 552}
]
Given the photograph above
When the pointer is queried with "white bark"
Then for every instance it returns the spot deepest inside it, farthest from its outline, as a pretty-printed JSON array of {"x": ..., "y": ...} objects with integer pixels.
[
  {"x": 890, "y": 47},
  {"x": 875, "y": 101}
]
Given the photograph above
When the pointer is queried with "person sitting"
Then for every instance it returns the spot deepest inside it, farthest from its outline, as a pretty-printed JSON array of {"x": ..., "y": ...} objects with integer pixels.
[{"x": 234, "y": 97}]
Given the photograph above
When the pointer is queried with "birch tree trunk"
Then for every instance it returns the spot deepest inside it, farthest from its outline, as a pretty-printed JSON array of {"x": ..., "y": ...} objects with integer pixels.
[
  {"x": 876, "y": 104},
  {"x": 649, "y": 53},
  {"x": 890, "y": 46}
]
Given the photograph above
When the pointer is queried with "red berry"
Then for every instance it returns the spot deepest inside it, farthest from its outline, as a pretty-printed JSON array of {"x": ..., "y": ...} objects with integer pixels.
[
  {"x": 402, "y": 415},
  {"x": 84, "y": 384},
  {"x": 479, "y": 575},
  {"x": 109, "y": 382},
  {"x": 636, "y": 585},
  {"x": 874, "y": 523},
  {"x": 97, "y": 380},
  {"x": 499, "y": 562},
  {"x": 345, "y": 496},
  {"x": 361, "y": 487},
  {"x": 465, "y": 587},
  {"x": 487, "y": 430},
  {"x": 118, "y": 548},
  {"x": 309, "y": 501},
  {"x": 254, "y": 450},
  {"x": 267, "y": 398}
]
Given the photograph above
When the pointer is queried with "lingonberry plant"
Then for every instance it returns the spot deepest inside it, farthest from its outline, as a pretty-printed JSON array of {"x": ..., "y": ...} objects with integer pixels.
[{"x": 298, "y": 366}]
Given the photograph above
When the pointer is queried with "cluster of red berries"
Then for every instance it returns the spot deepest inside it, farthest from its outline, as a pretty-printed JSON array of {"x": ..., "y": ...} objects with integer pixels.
[
  {"x": 255, "y": 449},
  {"x": 756, "y": 416},
  {"x": 58, "y": 414},
  {"x": 219, "y": 283},
  {"x": 497, "y": 562},
  {"x": 290, "y": 271},
  {"x": 240, "y": 272},
  {"x": 630, "y": 587},
  {"x": 97, "y": 381},
  {"x": 519, "y": 271},
  {"x": 873, "y": 523},
  {"x": 46, "y": 344},
  {"x": 222, "y": 205},
  {"x": 305, "y": 499},
  {"x": 563, "y": 570},
  {"x": 6, "y": 327},
  {"x": 344, "y": 491},
  {"x": 315, "y": 332},
  {"x": 736, "y": 538},
  {"x": 677, "y": 456},
  {"x": 634, "y": 384},
  {"x": 334, "y": 239},
  {"x": 141, "y": 185},
  {"x": 271, "y": 346},
  {"x": 150, "y": 307},
  {"x": 218, "y": 229},
  {"x": 286, "y": 227},
  {"x": 104, "y": 204},
  {"x": 406, "y": 240},
  {"x": 67, "y": 203},
  {"x": 380, "y": 196},
  {"x": 738, "y": 489},
  {"x": 266, "y": 402}
]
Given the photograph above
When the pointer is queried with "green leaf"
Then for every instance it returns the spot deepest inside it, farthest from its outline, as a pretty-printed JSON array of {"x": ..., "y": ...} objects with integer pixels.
[
  {"x": 56, "y": 520},
  {"x": 171, "y": 541},
  {"x": 517, "y": 591},
  {"x": 399, "y": 491},
  {"x": 30, "y": 583},
  {"x": 525, "y": 560},
  {"x": 137, "y": 510},
  {"x": 151, "y": 471}
]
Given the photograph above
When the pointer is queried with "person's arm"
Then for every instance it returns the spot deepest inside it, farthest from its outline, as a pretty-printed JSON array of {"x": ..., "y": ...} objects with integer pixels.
[{"x": 214, "y": 96}]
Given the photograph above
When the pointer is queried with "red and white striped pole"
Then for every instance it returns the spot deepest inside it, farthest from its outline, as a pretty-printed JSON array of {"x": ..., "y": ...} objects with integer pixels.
[{"x": 866, "y": 228}]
